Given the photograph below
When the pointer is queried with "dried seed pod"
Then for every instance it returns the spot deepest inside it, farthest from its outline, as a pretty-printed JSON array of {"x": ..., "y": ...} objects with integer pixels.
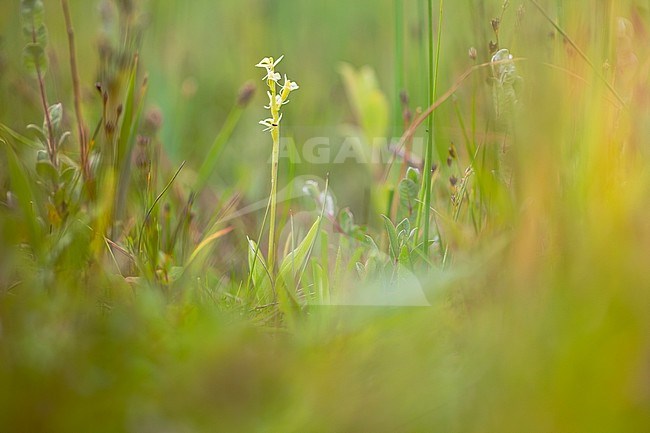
[
  {"x": 153, "y": 120},
  {"x": 245, "y": 94},
  {"x": 452, "y": 151},
  {"x": 495, "y": 24},
  {"x": 404, "y": 97}
]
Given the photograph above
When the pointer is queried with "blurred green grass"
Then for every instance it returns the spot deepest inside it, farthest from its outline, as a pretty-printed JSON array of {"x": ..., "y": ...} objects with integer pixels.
[{"x": 540, "y": 324}]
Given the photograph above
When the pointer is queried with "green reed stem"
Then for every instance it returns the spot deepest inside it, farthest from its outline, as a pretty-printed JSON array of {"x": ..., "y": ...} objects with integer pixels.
[
  {"x": 399, "y": 64},
  {"x": 424, "y": 215},
  {"x": 422, "y": 46},
  {"x": 275, "y": 162}
]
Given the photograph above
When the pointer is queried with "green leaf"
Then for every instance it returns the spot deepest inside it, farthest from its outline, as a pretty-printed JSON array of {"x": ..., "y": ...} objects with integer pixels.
[
  {"x": 133, "y": 108},
  {"x": 22, "y": 189},
  {"x": 292, "y": 269},
  {"x": 34, "y": 59},
  {"x": 19, "y": 138},
  {"x": 321, "y": 284},
  {"x": 175, "y": 273},
  {"x": 288, "y": 306},
  {"x": 369, "y": 242},
  {"x": 361, "y": 270},
  {"x": 32, "y": 15},
  {"x": 372, "y": 268},
  {"x": 259, "y": 271},
  {"x": 47, "y": 171},
  {"x": 403, "y": 229},
  {"x": 56, "y": 114},
  {"x": 405, "y": 258},
  {"x": 62, "y": 139},
  {"x": 413, "y": 174},
  {"x": 68, "y": 175},
  {"x": 346, "y": 221},
  {"x": 393, "y": 242},
  {"x": 30, "y": 7},
  {"x": 408, "y": 195},
  {"x": 126, "y": 128},
  {"x": 42, "y": 155},
  {"x": 60, "y": 197},
  {"x": 37, "y": 34},
  {"x": 294, "y": 263}
]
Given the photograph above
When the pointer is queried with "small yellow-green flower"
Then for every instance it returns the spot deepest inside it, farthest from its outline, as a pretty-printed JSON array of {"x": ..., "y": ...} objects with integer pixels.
[
  {"x": 288, "y": 87},
  {"x": 270, "y": 123},
  {"x": 277, "y": 98},
  {"x": 268, "y": 64}
]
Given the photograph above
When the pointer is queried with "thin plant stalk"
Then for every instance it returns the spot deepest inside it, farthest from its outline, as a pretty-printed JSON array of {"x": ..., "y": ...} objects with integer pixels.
[
  {"x": 147, "y": 215},
  {"x": 81, "y": 127},
  {"x": 51, "y": 140},
  {"x": 399, "y": 110},
  {"x": 212, "y": 158},
  {"x": 275, "y": 162},
  {"x": 425, "y": 193},
  {"x": 422, "y": 23},
  {"x": 399, "y": 63}
]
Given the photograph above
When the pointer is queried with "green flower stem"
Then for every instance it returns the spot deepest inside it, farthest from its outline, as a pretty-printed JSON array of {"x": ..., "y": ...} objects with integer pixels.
[
  {"x": 275, "y": 161},
  {"x": 272, "y": 124}
]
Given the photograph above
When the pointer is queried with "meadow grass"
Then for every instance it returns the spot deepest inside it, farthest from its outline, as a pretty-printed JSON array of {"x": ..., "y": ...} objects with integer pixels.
[{"x": 138, "y": 291}]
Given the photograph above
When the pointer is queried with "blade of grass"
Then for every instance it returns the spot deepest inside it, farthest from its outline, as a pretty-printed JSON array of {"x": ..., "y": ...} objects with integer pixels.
[
  {"x": 205, "y": 242},
  {"x": 211, "y": 159},
  {"x": 127, "y": 140},
  {"x": 155, "y": 202},
  {"x": 23, "y": 190},
  {"x": 257, "y": 250},
  {"x": 19, "y": 137}
]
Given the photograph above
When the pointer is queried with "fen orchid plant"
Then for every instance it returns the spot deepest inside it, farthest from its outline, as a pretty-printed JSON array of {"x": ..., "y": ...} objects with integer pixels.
[{"x": 278, "y": 96}]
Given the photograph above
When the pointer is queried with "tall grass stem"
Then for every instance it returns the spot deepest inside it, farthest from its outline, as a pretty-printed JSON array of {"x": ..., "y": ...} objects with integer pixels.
[
  {"x": 399, "y": 64},
  {"x": 424, "y": 215}
]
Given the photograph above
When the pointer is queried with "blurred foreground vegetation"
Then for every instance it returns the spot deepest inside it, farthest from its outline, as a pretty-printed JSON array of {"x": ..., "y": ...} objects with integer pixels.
[{"x": 134, "y": 289}]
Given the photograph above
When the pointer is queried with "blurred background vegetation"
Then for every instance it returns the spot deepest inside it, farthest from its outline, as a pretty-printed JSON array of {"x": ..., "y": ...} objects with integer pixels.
[
  {"x": 198, "y": 54},
  {"x": 539, "y": 321}
]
